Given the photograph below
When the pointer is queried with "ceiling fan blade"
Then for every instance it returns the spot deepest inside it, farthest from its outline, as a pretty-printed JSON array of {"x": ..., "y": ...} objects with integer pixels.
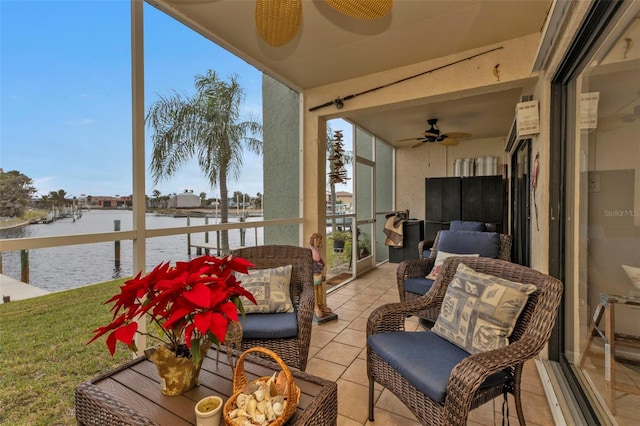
[
  {"x": 362, "y": 9},
  {"x": 459, "y": 135},
  {"x": 277, "y": 21},
  {"x": 409, "y": 139},
  {"x": 432, "y": 134},
  {"x": 418, "y": 144},
  {"x": 449, "y": 142}
]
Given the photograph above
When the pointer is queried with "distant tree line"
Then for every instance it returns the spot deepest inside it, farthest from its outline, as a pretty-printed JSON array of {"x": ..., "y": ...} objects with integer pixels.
[
  {"x": 238, "y": 199},
  {"x": 16, "y": 191},
  {"x": 17, "y": 195}
]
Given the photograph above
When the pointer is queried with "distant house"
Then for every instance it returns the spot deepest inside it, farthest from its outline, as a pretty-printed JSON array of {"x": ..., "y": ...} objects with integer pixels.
[
  {"x": 343, "y": 197},
  {"x": 343, "y": 202},
  {"x": 184, "y": 200},
  {"x": 107, "y": 202}
]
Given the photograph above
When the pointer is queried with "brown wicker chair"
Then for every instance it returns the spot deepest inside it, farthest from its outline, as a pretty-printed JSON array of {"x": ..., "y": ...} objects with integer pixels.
[
  {"x": 420, "y": 268},
  {"x": 294, "y": 350},
  {"x": 466, "y": 388}
]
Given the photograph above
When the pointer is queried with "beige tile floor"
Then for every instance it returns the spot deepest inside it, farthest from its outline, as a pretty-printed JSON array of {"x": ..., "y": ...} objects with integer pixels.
[{"x": 338, "y": 353}]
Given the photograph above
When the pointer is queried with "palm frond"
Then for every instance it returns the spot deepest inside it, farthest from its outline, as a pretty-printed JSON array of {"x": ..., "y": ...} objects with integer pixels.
[{"x": 206, "y": 126}]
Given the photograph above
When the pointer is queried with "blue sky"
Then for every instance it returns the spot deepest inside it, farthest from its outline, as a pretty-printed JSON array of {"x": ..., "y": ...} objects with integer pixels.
[{"x": 65, "y": 94}]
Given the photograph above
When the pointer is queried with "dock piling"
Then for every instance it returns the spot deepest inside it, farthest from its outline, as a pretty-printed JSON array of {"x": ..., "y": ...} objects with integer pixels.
[
  {"x": 189, "y": 236},
  {"x": 24, "y": 266},
  {"x": 116, "y": 227}
]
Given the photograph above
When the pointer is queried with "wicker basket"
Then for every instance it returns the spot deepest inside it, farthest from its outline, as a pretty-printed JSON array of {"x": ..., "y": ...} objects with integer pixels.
[{"x": 240, "y": 379}]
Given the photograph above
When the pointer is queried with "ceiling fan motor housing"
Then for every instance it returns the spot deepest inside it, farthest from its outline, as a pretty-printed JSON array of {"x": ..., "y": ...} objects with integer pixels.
[{"x": 433, "y": 134}]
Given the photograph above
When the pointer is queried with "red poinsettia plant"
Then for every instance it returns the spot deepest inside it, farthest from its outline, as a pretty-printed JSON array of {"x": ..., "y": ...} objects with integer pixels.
[{"x": 190, "y": 304}]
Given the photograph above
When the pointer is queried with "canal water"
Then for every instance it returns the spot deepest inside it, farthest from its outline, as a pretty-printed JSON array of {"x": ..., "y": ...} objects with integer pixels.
[{"x": 62, "y": 268}]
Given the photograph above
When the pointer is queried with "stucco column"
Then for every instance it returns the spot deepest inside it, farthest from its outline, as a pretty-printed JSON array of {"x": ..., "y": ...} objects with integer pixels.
[{"x": 314, "y": 177}]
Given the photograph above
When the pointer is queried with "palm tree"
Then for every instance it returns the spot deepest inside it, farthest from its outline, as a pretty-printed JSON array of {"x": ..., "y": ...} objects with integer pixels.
[
  {"x": 206, "y": 126},
  {"x": 58, "y": 198}
]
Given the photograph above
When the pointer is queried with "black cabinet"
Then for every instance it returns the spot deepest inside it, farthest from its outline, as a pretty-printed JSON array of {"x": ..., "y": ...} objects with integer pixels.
[
  {"x": 477, "y": 198},
  {"x": 442, "y": 204},
  {"x": 412, "y": 234},
  {"x": 482, "y": 199}
]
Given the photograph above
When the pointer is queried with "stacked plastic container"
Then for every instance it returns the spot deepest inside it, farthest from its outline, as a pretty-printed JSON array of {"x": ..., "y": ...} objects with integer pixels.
[{"x": 480, "y": 166}]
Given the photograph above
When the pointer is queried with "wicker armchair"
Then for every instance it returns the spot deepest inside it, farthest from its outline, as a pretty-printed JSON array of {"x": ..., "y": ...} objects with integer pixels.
[
  {"x": 475, "y": 379},
  {"x": 293, "y": 350},
  {"x": 420, "y": 268}
]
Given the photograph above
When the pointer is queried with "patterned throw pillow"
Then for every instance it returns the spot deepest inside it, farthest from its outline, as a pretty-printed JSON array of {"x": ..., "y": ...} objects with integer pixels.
[
  {"x": 479, "y": 311},
  {"x": 270, "y": 287},
  {"x": 440, "y": 257}
]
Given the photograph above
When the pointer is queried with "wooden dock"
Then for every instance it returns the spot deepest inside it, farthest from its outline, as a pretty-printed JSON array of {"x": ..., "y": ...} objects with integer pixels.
[{"x": 52, "y": 216}]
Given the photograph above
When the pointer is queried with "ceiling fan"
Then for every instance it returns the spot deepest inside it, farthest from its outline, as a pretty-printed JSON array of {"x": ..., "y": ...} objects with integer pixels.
[
  {"x": 434, "y": 135},
  {"x": 633, "y": 116},
  {"x": 624, "y": 116},
  {"x": 278, "y": 21}
]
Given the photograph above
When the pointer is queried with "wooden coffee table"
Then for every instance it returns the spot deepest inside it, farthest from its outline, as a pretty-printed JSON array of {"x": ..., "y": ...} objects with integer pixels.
[{"x": 131, "y": 395}]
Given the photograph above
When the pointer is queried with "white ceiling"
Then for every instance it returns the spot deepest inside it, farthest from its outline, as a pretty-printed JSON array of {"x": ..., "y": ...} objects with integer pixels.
[
  {"x": 484, "y": 116},
  {"x": 332, "y": 47}
]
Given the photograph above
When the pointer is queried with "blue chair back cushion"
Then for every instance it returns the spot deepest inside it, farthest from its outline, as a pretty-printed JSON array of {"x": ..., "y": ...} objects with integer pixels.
[
  {"x": 269, "y": 326},
  {"x": 486, "y": 244},
  {"x": 425, "y": 360},
  {"x": 418, "y": 285},
  {"x": 466, "y": 225}
]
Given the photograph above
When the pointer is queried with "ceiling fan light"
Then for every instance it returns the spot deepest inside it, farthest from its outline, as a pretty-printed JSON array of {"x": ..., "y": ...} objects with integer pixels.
[
  {"x": 277, "y": 21},
  {"x": 362, "y": 9}
]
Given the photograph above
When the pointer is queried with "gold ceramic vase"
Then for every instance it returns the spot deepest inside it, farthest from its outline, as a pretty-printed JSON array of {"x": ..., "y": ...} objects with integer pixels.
[{"x": 178, "y": 374}]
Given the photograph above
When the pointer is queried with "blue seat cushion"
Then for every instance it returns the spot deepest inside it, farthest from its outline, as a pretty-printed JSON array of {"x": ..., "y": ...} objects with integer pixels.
[
  {"x": 486, "y": 244},
  {"x": 418, "y": 285},
  {"x": 466, "y": 225},
  {"x": 269, "y": 326},
  {"x": 425, "y": 360}
]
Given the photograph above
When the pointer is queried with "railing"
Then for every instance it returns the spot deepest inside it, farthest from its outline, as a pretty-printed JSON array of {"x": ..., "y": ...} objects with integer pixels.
[
  {"x": 23, "y": 245},
  {"x": 15, "y": 244}
]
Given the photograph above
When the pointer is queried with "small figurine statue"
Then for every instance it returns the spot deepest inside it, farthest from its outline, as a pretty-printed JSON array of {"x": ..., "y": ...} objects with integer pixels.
[{"x": 319, "y": 278}]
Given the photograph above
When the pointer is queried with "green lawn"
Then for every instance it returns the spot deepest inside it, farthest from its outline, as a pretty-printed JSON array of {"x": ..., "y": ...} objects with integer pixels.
[{"x": 43, "y": 355}]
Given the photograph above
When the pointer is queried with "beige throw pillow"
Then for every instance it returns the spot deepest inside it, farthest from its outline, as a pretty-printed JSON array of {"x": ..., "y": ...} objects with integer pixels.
[
  {"x": 270, "y": 287},
  {"x": 479, "y": 311},
  {"x": 440, "y": 257}
]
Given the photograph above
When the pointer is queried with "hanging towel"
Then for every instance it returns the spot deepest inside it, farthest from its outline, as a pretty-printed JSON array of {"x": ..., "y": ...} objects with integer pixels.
[{"x": 393, "y": 228}]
